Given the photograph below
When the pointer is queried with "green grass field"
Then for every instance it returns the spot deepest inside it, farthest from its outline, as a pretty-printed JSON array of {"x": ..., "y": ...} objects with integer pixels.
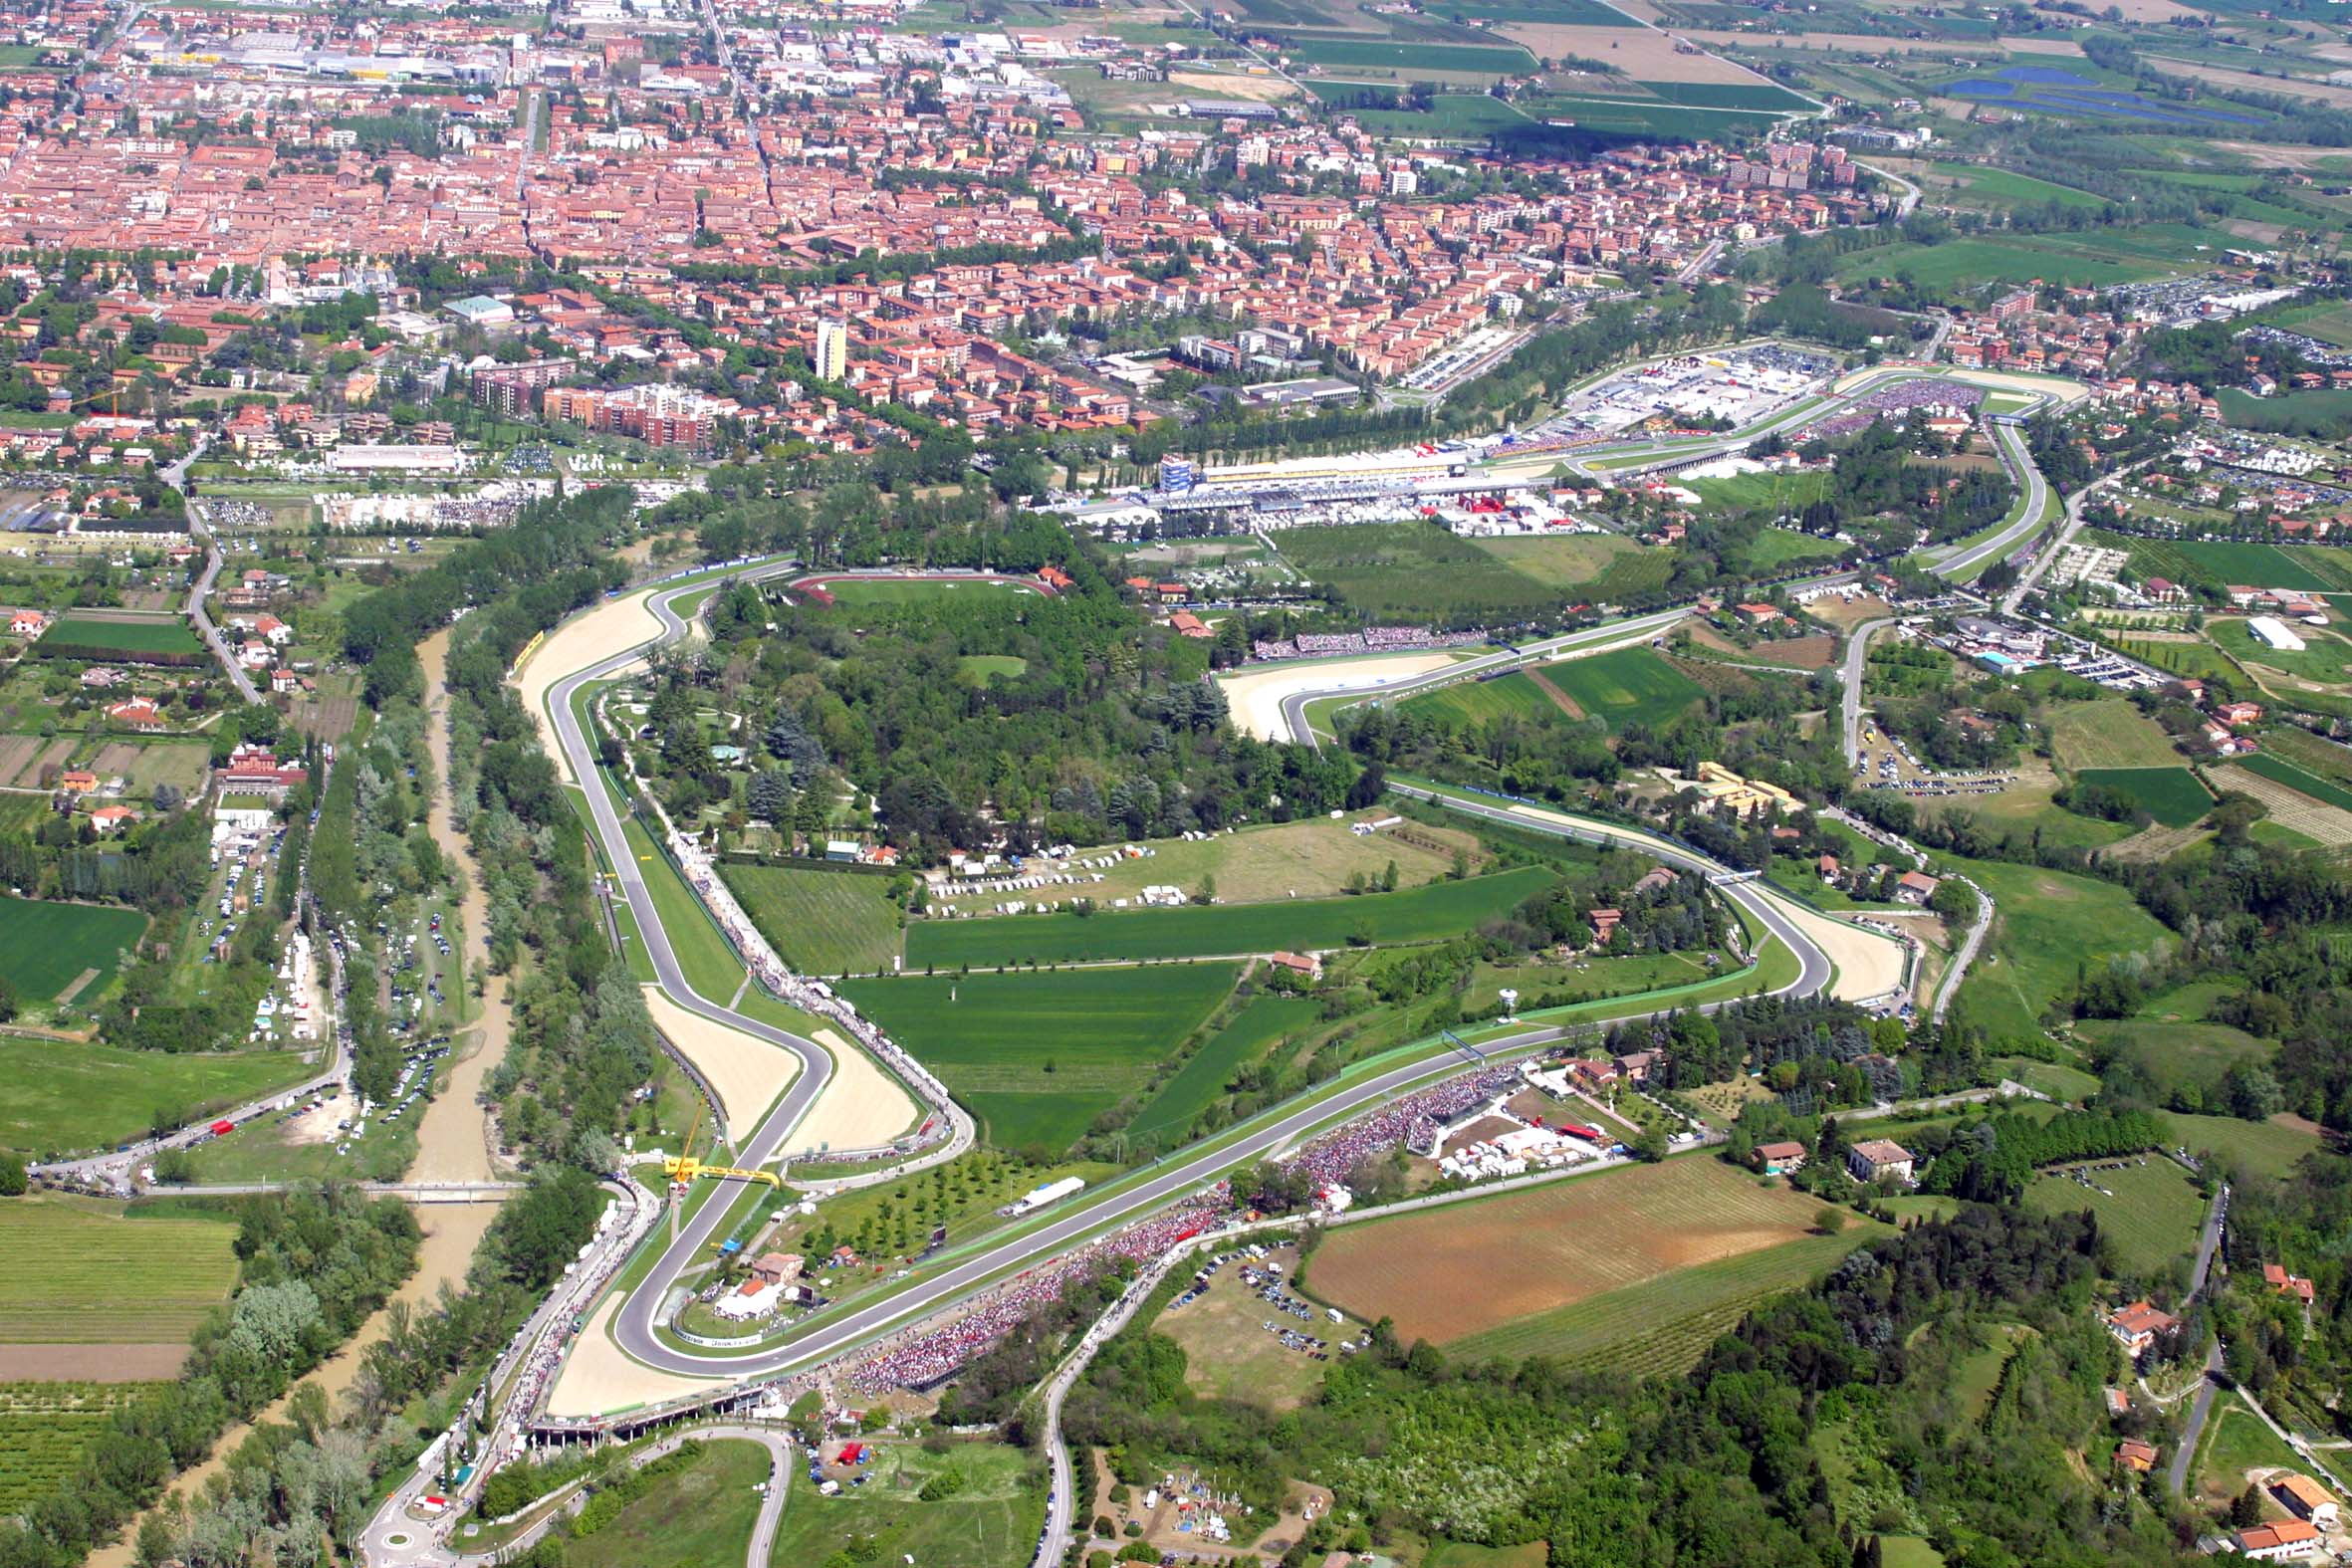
[
  {"x": 1038, "y": 1057},
  {"x": 994, "y": 1516},
  {"x": 2004, "y": 189},
  {"x": 699, "y": 1514},
  {"x": 2108, "y": 732},
  {"x": 1511, "y": 696},
  {"x": 2223, "y": 562},
  {"x": 46, "y": 948},
  {"x": 1629, "y": 686},
  {"x": 1399, "y": 56},
  {"x": 86, "y": 1276},
  {"x": 821, "y": 922},
  {"x": 2261, "y": 1148},
  {"x": 886, "y": 590},
  {"x": 979, "y": 669},
  {"x": 2237, "y": 1442},
  {"x": 160, "y": 635},
  {"x": 1967, "y": 262},
  {"x": 2047, "y": 922},
  {"x": 2324, "y": 658},
  {"x": 1570, "y": 561},
  {"x": 1412, "y": 571},
  {"x": 58, "y": 1097},
  {"x": 1420, "y": 914},
  {"x": 2172, "y": 794},
  {"x": 2152, "y": 1209},
  {"x": 1246, "y": 1039},
  {"x": 2175, "y": 1054}
]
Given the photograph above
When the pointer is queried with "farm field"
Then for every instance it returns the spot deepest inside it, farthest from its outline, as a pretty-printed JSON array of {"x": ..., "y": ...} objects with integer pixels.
[
  {"x": 59, "y": 1097},
  {"x": 120, "y": 632},
  {"x": 1540, "y": 1249},
  {"x": 1515, "y": 694},
  {"x": 701, "y": 1514},
  {"x": 1275, "y": 861},
  {"x": 821, "y": 922},
  {"x": 2220, "y": 562},
  {"x": 993, "y": 1518},
  {"x": 48, "y": 949},
  {"x": 2048, "y": 923},
  {"x": 2108, "y": 732},
  {"x": 1038, "y": 1057},
  {"x": 1663, "y": 1325},
  {"x": 2268, "y": 1148},
  {"x": 2302, "y": 779},
  {"x": 2294, "y": 800},
  {"x": 1414, "y": 56},
  {"x": 1245, "y": 1040},
  {"x": 2005, "y": 189},
  {"x": 2170, "y": 794},
  {"x": 46, "y": 1433},
  {"x": 1440, "y": 909},
  {"x": 1629, "y": 686},
  {"x": 89, "y": 1276},
  {"x": 1412, "y": 571},
  {"x": 1567, "y": 560},
  {"x": 2151, "y": 1209},
  {"x": 2005, "y": 261}
]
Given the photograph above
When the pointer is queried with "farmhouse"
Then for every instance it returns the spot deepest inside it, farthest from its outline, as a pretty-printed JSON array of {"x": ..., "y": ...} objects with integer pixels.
[
  {"x": 140, "y": 712},
  {"x": 2140, "y": 1325},
  {"x": 2283, "y": 1284},
  {"x": 778, "y": 1269},
  {"x": 2272, "y": 1542},
  {"x": 76, "y": 782},
  {"x": 28, "y": 623},
  {"x": 1781, "y": 1159},
  {"x": 1299, "y": 963},
  {"x": 1878, "y": 1159},
  {"x": 113, "y": 818},
  {"x": 256, "y": 770},
  {"x": 1914, "y": 888},
  {"x": 2305, "y": 1498},
  {"x": 2135, "y": 1455}
]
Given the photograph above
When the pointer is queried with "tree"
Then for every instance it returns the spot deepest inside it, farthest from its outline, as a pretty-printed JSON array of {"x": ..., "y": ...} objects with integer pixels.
[
  {"x": 12, "y": 1177},
  {"x": 1831, "y": 1220}
]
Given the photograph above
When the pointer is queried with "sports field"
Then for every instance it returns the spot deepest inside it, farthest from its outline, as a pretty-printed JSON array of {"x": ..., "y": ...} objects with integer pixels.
[
  {"x": 46, "y": 948},
  {"x": 2150, "y": 1208},
  {"x": 1245, "y": 1040},
  {"x": 1038, "y": 1057},
  {"x": 2109, "y": 733},
  {"x": 1629, "y": 686},
  {"x": 1419, "y": 914},
  {"x": 2172, "y": 796},
  {"x": 84, "y": 1277},
  {"x": 128, "y": 636},
  {"x": 822, "y": 922},
  {"x": 1468, "y": 1270},
  {"x": 57, "y": 1097}
]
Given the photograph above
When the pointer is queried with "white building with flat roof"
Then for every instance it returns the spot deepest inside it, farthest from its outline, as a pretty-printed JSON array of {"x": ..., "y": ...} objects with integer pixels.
[{"x": 2274, "y": 632}]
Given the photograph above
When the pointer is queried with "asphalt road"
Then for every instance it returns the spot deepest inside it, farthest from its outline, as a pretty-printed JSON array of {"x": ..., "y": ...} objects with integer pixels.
[
  {"x": 1857, "y": 651},
  {"x": 634, "y": 1323},
  {"x": 2009, "y": 442},
  {"x": 2209, "y": 1240}
]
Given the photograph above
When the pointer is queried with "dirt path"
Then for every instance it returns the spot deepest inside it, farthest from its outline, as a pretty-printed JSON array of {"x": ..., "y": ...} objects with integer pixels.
[
  {"x": 452, "y": 1141},
  {"x": 1559, "y": 699}
]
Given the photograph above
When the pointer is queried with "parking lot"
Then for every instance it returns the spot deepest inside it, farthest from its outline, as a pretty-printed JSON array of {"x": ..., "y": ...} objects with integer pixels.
[{"x": 1741, "y": 386}]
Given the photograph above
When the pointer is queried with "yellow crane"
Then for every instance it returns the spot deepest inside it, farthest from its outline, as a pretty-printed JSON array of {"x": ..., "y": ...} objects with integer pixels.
[{"x": 684, "y": 1168}]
